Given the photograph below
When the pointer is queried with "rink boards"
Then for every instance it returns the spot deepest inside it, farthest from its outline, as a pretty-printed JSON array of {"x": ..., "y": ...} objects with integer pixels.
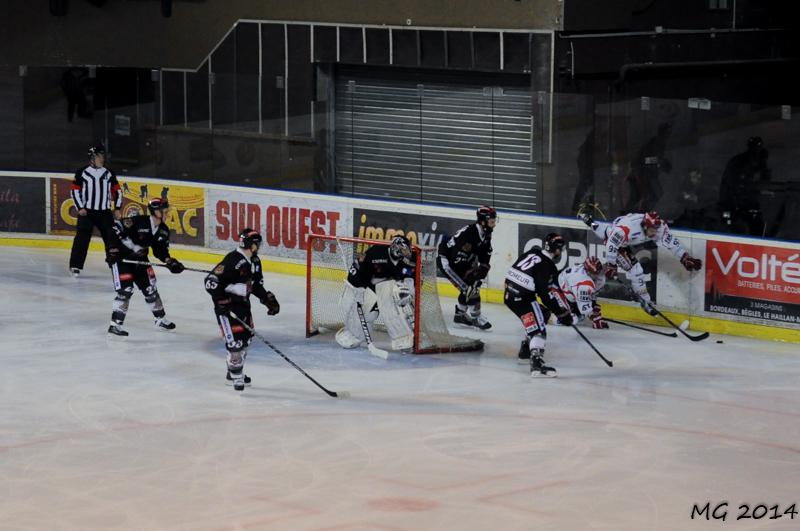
[{"x": 748, "y": 286}]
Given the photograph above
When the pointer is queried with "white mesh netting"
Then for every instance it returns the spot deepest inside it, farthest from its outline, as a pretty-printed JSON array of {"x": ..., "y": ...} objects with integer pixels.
[{"x": 328, "y": 263}]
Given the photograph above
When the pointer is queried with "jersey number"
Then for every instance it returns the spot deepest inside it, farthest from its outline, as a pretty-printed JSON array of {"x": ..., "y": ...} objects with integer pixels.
[{"x": 529, "y": 262}]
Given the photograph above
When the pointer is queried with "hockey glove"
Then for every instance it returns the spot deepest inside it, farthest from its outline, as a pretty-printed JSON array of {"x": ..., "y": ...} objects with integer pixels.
[
  {"x": 174, "y": 266},
  {"x": 271, "y": 303},
  {"x": 611, "y": 271},
  {"x": 112, "y": 256},
  {"x": 691, "y": 264},
  {"x": 476, "y": 273},
  {"x": 597, "y": 318},
  {"x": 566, "y": 319}
]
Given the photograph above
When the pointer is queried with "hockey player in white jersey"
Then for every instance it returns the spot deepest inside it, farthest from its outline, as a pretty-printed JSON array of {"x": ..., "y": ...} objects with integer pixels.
[
  {"x": 580, "y": 284},
  {"x": 637, "y": 229}
]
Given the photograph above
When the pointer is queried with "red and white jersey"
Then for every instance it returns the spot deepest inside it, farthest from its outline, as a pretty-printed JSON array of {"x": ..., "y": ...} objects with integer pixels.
[
  {"x": 580, "y": 287},
  {"x": 628, "y": 230}
]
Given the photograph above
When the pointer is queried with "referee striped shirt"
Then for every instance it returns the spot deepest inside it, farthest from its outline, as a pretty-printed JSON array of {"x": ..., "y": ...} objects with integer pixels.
[{"x": 95, "y": 189}]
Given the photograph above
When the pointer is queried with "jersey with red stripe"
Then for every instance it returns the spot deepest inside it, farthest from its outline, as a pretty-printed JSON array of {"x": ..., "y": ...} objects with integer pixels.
[
  {"x": 580, "y": 288},
  {"x": 627, "y": 230}
]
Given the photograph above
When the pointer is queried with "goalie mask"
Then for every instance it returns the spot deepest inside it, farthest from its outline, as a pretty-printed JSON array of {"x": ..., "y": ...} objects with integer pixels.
[{"x": 400, "y": 248}]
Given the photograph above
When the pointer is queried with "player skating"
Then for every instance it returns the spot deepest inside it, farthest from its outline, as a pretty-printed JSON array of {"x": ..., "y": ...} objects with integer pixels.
[
  {"x": 637, "y": 229},
  {"x": 580, "y": 284},
  {"x": 464, "y": 259},
  {"x": 381, "y": 281},
  {"x": 230, "y": 284},
  {"x": 133, "y": 238},
  {"x": 535, "y": 273}
]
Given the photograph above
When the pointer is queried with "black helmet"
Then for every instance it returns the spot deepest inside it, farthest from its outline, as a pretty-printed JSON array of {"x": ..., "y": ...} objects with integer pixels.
[
  {"x": 97, "y": 149},
  {"x": 400, "y": 247},
  {"x": 157, "y": 204},
  {"x": 553, "y": 241},
  {"x": 485, "y": 213},
  {"x": 248, "y": 238}
]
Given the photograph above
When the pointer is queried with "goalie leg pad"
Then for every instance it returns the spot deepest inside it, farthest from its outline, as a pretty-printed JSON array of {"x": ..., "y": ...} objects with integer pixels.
[
  {"x": 394, "y": 317},
  {"x": 346, "y": 339},
  {"x": 349, "y": 307}
]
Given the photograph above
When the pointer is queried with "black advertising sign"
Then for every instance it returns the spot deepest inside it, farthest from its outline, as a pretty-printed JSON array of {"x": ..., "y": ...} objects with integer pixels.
[
  {"x": 582, "y": 243},
  {"x": 422, "y": 230},
  {"x": 22, "y": 204}
]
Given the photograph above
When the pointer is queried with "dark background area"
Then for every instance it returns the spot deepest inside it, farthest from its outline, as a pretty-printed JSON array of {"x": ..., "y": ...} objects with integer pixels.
[{"x": 195, "y": 96}]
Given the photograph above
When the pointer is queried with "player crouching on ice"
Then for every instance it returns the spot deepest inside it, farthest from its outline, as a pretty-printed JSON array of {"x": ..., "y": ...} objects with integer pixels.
[
  {"x": 580, "y": 284},
  {"x": 464, "y": 259},
  {"x": 230, "y": 284},
  {"x": 381, "y": 281},
  {"x": 636, "y": 229},
  {"x": 131, "y": 240},
  {"x": 535, "y": 273}
]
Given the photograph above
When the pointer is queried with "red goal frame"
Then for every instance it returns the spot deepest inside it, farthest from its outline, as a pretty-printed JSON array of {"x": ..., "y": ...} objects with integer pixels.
[{"x": 311, "y": 242}]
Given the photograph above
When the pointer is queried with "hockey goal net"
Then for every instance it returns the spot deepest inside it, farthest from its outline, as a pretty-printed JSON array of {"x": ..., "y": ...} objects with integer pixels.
[{"x": 328, "y": 262}]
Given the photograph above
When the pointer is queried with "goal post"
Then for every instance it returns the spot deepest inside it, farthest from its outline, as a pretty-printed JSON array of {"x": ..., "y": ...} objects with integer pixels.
[{"x": 329, "y": 259}]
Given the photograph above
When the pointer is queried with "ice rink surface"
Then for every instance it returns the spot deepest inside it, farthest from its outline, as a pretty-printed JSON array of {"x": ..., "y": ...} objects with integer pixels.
[{"x": 144, "y": 433}]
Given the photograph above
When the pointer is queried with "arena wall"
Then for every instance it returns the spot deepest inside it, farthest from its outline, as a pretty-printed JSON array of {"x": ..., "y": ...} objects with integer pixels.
[{"x": 747, "y": 287}]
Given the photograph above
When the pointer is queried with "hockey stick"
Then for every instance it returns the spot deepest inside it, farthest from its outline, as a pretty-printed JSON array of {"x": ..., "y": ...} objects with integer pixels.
[
  {"x": 375, "y": 351},
  {"x": 670, "y": 334},
  {"x": 340, "y": 394},
  {"x": 679, "y": 329},
  {"x": 690, "y": 337},
  {"x": 608, "y": 362},
  {"x": 134, "y": 262}
]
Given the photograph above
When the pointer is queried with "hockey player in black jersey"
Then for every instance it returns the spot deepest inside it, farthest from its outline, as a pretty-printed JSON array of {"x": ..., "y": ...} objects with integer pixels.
[
  {"x": 382, "y": 282},
  {"x": 535, "y": 273},
  {"x": 132, "y": 239},
  {"x": 464, "y": 259},
  {"x": 230, "y": 284}
]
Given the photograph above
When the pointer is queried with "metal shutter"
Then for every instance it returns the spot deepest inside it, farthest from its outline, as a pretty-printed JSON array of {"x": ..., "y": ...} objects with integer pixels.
[{"x": 435, "y": 142}]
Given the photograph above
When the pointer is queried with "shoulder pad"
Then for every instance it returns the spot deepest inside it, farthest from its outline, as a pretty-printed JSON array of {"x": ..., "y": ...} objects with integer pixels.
[{"x": 219, "y": 269}]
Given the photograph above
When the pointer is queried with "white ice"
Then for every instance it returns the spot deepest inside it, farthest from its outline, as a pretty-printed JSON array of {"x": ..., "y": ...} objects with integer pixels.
[{"x": 144, "y": 433}]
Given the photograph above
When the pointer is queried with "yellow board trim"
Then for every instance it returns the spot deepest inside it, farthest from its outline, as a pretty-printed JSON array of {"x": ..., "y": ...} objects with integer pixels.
[{"x": 613, "y": 311}]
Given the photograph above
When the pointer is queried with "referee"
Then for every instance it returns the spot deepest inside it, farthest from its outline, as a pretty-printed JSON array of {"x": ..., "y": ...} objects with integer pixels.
[{"x": 98, "y": 198}]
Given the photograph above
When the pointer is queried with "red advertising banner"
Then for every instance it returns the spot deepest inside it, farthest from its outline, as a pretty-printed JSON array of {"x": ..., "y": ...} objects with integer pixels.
[
  {"x": 756, "y": 281},
  {"x": 284, "y": 221}
]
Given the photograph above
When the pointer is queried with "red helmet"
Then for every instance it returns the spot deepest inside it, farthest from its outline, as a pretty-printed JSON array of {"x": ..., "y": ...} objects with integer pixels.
[
  {"x": 651, "y": 219},
  {"x": 593, "y": 266}
]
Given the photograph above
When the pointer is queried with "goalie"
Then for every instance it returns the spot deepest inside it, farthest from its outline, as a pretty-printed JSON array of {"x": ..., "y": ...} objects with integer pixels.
[{"x": 381, "y": 281}]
